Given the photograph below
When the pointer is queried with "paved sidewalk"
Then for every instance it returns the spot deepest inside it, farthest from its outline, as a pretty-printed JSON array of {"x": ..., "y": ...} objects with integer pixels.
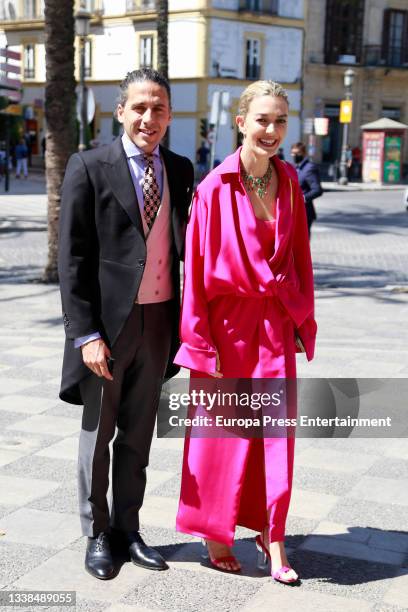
[
  {"x": 359, "y": 186},
  {"x": 347, "y": 529}
]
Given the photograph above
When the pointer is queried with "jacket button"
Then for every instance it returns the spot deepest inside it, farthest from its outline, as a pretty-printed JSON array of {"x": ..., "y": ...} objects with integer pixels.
[{"x": 142, "y": 262}]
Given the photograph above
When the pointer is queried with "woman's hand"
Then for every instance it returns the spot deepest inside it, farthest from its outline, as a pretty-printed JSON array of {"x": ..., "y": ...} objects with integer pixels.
[
  {"x": 217, "y": 373},
  {"x": 299, "y": 344}
]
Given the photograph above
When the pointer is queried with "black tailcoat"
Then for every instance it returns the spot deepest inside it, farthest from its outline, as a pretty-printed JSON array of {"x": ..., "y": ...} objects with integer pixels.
[{"x": 102, "y": 249}]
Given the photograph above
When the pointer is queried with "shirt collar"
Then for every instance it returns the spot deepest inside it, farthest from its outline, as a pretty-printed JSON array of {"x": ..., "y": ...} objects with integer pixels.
[
  {"x": 132, "y": 150},
  {"x": 230, "y": 165}
]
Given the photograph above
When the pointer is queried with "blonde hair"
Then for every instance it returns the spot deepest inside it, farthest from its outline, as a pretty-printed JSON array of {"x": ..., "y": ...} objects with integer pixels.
[{"x": 260, "y": 88}]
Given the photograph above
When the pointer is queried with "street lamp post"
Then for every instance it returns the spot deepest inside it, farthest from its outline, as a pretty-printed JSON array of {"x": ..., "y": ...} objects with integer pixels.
[
  {"x": 82, "y": 19},
  {"x": 348, "y": 85}
]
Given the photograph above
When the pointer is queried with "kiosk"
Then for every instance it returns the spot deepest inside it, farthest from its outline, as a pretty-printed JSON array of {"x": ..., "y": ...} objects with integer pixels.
[{"x": 382, "y": 151}]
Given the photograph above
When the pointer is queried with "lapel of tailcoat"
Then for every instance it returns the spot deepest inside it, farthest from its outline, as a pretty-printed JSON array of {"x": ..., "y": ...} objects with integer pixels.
[
  {"x": 177, "y": 222},
  {"x": 118, "y": 175}
]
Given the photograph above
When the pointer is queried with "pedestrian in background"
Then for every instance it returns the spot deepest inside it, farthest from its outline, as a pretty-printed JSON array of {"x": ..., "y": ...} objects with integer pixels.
[
  {"x": 28, "y": 141},
  {"x": 356, "y": 163},
  {"x": 2, "y": 161},
  {"x": 202, "y": 159},
  {"x": 43, "y": 144},
  {"x": 21, "y": 159},
  {"x": 309, "y": 179}
]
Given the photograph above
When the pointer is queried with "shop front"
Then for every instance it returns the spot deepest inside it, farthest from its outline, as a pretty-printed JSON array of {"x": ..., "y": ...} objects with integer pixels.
[{"x": 383, "y": 142}]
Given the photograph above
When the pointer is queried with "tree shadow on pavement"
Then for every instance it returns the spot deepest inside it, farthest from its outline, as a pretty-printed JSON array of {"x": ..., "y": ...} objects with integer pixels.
[
  {"x": 313, "y": 567},
  {"x": 367, "y": 223},
  {"x": 22, "y": 273},
  {"x": 51, "y": 322},
  {"x": 48, "y": 289},
  {"x": 396, "y": 296},
  {"x": 335, "y": 275},
  {"x": 12, "y": 226}
]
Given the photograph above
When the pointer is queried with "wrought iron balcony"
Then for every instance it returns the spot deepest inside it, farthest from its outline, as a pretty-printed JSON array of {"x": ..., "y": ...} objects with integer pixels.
[
  {"x": 261, "y": 7},
  {"x": 140, "y": 6},
  {"x": 391, "y": 57}
]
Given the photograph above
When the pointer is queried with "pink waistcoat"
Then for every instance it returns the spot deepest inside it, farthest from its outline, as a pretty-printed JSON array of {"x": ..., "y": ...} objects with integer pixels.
[{"x": 157, "y": 284}]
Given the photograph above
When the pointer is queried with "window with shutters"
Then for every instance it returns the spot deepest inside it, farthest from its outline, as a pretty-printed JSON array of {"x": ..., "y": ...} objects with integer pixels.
[
  {"x": 146, "y": 52},
  {"x": 253, "y": 59},
  {"x": 395, "y": 38},
  {"x": 29, "y": 61},
  {"x": 29, "y": 9},
  {"x": 266, "y": 7},
  {"x": 344, "y": 31}
]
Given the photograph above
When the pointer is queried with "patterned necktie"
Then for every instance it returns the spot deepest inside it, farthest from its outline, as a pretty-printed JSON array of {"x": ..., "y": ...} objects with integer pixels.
[{"x": 151, "y": 192}]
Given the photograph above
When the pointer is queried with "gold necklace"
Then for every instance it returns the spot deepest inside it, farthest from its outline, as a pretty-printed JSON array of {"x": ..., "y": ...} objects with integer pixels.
[{"x": 259, "y": 184}]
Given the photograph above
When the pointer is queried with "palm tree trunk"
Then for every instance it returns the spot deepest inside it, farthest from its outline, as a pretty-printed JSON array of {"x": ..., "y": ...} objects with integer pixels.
[
  {"x": 162, "y": 45},
  {"x": 59, "y": 113}
]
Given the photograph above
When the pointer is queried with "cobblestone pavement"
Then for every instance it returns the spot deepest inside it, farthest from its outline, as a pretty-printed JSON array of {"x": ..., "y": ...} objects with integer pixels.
[{"x": 348, "y": 518}]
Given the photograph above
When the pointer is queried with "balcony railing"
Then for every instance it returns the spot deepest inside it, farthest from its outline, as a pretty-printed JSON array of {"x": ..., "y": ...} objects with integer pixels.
[
  {"x": 140, "y": 6},
  {"x": 391, "y": 57},
  {"x": 262, "y": 7}
]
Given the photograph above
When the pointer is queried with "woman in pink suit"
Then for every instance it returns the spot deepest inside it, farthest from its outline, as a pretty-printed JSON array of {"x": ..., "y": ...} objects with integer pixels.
[{"x": 247, "y": 308}]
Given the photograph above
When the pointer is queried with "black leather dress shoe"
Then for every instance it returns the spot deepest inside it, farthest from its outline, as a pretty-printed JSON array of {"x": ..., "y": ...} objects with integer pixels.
[
  {"x": 143, "y": 555},
  {"x": 98, "y": 558}
]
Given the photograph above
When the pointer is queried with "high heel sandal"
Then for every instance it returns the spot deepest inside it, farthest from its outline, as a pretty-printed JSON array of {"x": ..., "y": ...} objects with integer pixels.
[
  {"x": 263, "y": 560},
  {"x": 216, "y": 562}
]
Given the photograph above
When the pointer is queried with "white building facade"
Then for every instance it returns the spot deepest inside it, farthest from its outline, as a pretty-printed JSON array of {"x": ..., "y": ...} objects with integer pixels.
[{"x": 213, "y": 45}]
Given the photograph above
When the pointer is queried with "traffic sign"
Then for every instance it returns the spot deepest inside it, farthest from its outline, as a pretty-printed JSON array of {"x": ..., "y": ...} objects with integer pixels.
[
  {"x": 90, "y": 104},
  {"x": 308, "y": 125},
  {"x": 321, "y": 126},
  {"x": 13, "y": 96},
  {"x": 10, "y": 88},
  {"x": 215, "y": 107},
  {"x": 211, "y": 137},
  {"x": 10, "y": 83},
  {"x": 15, "y": 55},
  {"x": 10, "y": 68},
  {"x": 346, "y": 111}
]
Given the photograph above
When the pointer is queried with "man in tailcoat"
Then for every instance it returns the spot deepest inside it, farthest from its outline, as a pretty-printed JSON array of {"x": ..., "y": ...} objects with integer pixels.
[{"x": 122, "y": 225}]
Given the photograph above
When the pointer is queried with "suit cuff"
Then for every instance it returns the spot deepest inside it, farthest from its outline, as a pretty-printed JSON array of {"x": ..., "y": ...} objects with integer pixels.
[{"x": 85, "y": 339}]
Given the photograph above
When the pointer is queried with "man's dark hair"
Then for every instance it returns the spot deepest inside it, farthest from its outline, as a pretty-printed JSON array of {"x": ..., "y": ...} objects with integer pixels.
[
  {"x": 139, "y": 76},
  {"x": 299, "y": 145}
]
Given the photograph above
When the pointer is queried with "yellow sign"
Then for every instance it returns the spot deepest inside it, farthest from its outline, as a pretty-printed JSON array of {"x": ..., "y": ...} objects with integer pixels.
[
  {"x": 14, "y": 109},
  {"x": 346, "y": 111}
]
